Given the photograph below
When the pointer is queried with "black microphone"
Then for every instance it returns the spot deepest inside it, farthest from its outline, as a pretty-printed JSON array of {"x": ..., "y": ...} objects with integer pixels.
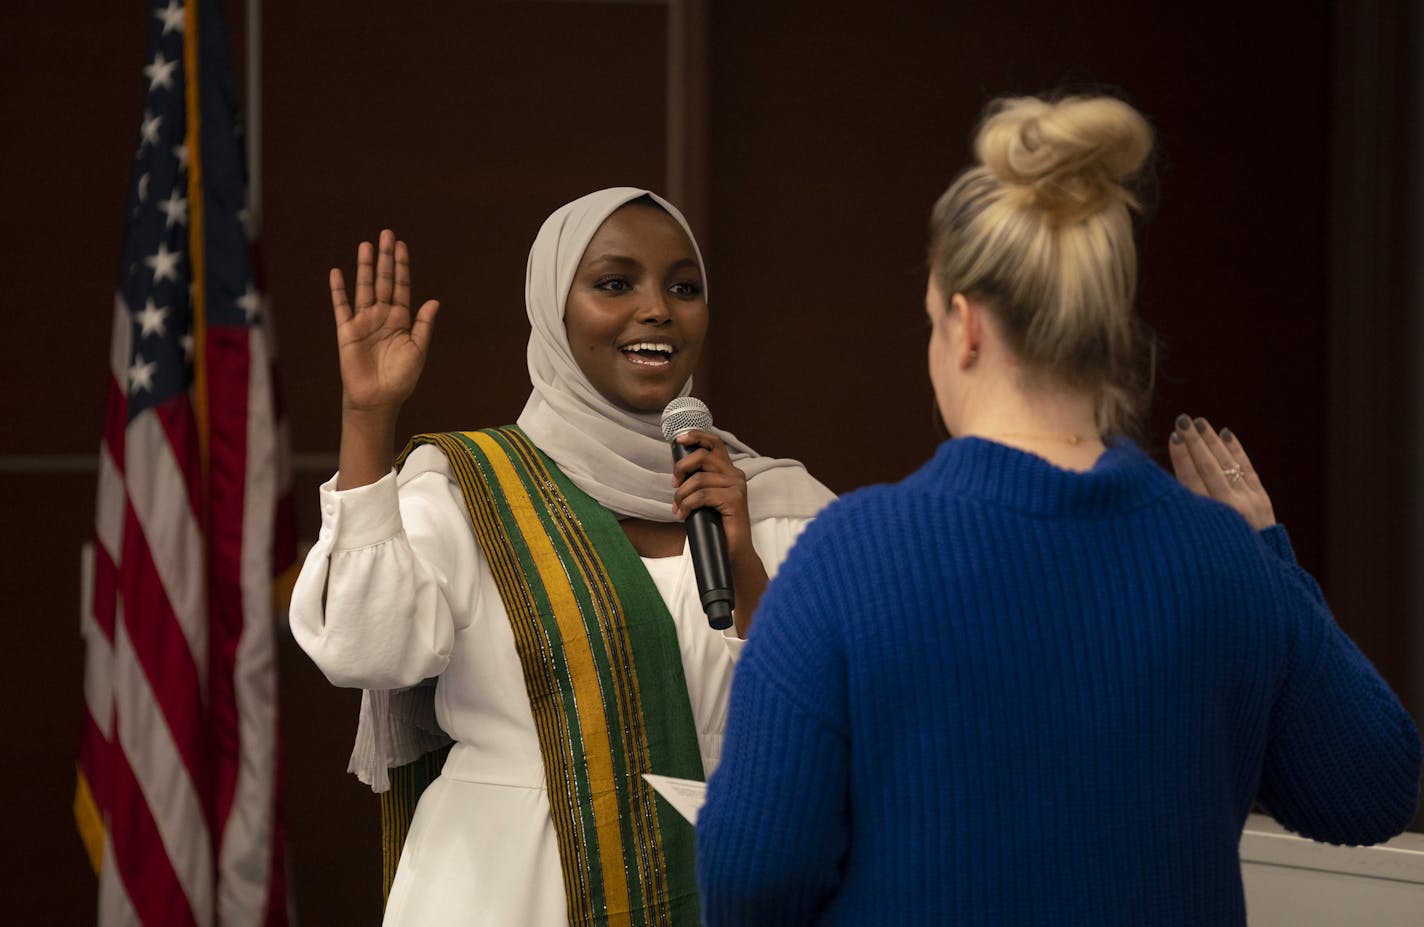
[{"x": 705, "y": 536}]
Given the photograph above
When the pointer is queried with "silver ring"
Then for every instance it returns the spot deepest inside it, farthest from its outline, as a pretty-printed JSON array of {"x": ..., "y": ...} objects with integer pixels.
[{"x": 1234, "y": 475}]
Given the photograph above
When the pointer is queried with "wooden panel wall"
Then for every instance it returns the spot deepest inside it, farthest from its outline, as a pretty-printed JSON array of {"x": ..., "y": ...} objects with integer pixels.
[{"x": 829, "y": 130}]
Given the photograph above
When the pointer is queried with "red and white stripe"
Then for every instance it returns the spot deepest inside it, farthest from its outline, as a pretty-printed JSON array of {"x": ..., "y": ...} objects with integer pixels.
[{"x": 179, "y": 748}]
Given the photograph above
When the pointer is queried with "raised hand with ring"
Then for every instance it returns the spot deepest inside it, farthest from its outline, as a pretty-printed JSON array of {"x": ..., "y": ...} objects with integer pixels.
[{"x": 1216, "y": 465}]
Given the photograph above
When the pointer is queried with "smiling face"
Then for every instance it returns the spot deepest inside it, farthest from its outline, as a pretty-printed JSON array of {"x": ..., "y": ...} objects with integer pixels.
[{"x": 636, "y": 315}]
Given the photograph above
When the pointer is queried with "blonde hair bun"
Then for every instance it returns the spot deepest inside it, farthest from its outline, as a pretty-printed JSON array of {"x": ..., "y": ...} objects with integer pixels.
[{"x": 1070, "y": 156}]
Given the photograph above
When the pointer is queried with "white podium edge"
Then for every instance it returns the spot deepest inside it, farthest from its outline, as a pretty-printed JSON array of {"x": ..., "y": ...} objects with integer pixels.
[{"x": 1264, "y": 842}]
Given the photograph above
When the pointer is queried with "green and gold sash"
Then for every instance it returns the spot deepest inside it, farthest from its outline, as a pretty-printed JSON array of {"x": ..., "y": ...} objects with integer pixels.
[{"x": 604, "y": 676}]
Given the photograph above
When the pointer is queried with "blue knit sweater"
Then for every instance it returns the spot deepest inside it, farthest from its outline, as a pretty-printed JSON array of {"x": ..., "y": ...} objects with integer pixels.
[{"x": 999, "y": 692}]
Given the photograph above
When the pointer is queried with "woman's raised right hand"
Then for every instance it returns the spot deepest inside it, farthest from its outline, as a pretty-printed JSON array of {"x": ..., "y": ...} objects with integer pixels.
[{"x": 382, "y": 348}]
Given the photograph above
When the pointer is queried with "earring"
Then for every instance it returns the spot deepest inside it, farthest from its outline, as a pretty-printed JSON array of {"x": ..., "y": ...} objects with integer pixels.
[{"x": 971, "y": 358}]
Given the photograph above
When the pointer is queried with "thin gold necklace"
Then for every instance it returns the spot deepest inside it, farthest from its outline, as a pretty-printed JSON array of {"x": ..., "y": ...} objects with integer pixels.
[{"x": 1072, "y": 439}]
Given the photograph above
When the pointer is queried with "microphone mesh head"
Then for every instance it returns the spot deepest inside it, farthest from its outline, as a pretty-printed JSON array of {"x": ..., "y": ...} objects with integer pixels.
[{"x": 684, "y": 414}]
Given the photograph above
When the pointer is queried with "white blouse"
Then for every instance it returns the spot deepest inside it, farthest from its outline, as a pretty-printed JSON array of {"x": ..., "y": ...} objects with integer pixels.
[{"x": 396, "y": 591}]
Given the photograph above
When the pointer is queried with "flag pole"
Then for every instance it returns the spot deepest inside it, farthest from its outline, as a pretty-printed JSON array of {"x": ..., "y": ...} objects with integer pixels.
[{"x": 254, "y": 118}]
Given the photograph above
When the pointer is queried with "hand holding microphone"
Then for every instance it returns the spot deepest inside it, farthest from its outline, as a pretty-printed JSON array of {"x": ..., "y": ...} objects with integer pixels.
[{"x": 711, "y": 497}]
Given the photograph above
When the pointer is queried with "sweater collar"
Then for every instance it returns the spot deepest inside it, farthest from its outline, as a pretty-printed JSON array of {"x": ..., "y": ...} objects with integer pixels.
[{"x": 1123, "y": 478}]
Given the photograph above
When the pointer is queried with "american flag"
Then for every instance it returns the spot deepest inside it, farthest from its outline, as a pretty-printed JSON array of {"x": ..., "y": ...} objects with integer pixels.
[{"x": 178, "y": 798}]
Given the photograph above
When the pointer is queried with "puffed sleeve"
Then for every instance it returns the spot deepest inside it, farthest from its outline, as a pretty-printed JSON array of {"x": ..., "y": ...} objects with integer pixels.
[{"x": 393, "y": 575}]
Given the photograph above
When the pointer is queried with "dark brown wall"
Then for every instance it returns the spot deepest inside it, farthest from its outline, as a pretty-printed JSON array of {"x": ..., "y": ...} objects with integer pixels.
[
  {"x": 828, "y": 136},
  {"x": 68, "y": 111},
  {"x": 827, "y": 151}
]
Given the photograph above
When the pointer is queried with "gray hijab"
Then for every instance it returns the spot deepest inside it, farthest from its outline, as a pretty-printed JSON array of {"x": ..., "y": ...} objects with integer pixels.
[{"x": 620, "y": 457}]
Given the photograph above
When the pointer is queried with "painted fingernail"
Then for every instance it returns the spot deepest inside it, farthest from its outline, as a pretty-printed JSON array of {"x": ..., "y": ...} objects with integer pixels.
[
  {"x": 1201, "y": 425},
  {"x": 1176, "y": 437},
  {"x": 1226, "y": 434},
  {"x": 1183, "y": 422}
]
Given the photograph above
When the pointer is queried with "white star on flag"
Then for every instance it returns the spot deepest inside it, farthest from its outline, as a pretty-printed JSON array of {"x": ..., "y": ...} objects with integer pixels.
[
  {"x": 160, "y": 73},
  {"x": 172, "y": 17},
  {"x": 181, "y": 153},
  {"x": 175, "y": 208},
  {"x": 149, "y": 132},
  {"x": 150, "y": 318},
  {"x": 187, "y": 342},
  {"x": 141, "y": 374},
  {"x": 250, "y": 302},
  {"x": 143, "y": 188},
  {"x": 164, "y": 263}
]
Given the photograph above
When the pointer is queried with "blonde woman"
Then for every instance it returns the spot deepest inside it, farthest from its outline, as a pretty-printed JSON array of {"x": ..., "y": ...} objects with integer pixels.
[{"x": 1040, "y": 681}]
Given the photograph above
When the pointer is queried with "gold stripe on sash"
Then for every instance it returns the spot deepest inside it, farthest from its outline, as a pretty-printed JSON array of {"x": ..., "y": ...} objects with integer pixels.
[{"x": 631, "y": 730}]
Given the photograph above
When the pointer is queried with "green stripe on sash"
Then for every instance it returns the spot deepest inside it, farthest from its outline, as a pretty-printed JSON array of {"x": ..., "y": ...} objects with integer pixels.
[{"x": 604, "y": 675}]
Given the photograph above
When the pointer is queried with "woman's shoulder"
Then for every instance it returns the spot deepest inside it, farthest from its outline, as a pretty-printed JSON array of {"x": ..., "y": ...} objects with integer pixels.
[
  {"x": 868, "y": 517},
  {"x": 427, "y": 454},
  {"x": 1199, "y": 514},
  {"x": 864, "y": 500},
  {"x": 424, "y": 460}
]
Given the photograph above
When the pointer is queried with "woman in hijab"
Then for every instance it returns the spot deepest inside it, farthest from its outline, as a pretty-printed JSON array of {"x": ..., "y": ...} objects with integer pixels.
[{"x": 539, "y": 573}]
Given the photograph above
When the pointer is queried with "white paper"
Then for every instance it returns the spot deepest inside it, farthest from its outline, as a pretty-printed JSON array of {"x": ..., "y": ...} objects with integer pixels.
[{"x": 685, "y": 795}]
